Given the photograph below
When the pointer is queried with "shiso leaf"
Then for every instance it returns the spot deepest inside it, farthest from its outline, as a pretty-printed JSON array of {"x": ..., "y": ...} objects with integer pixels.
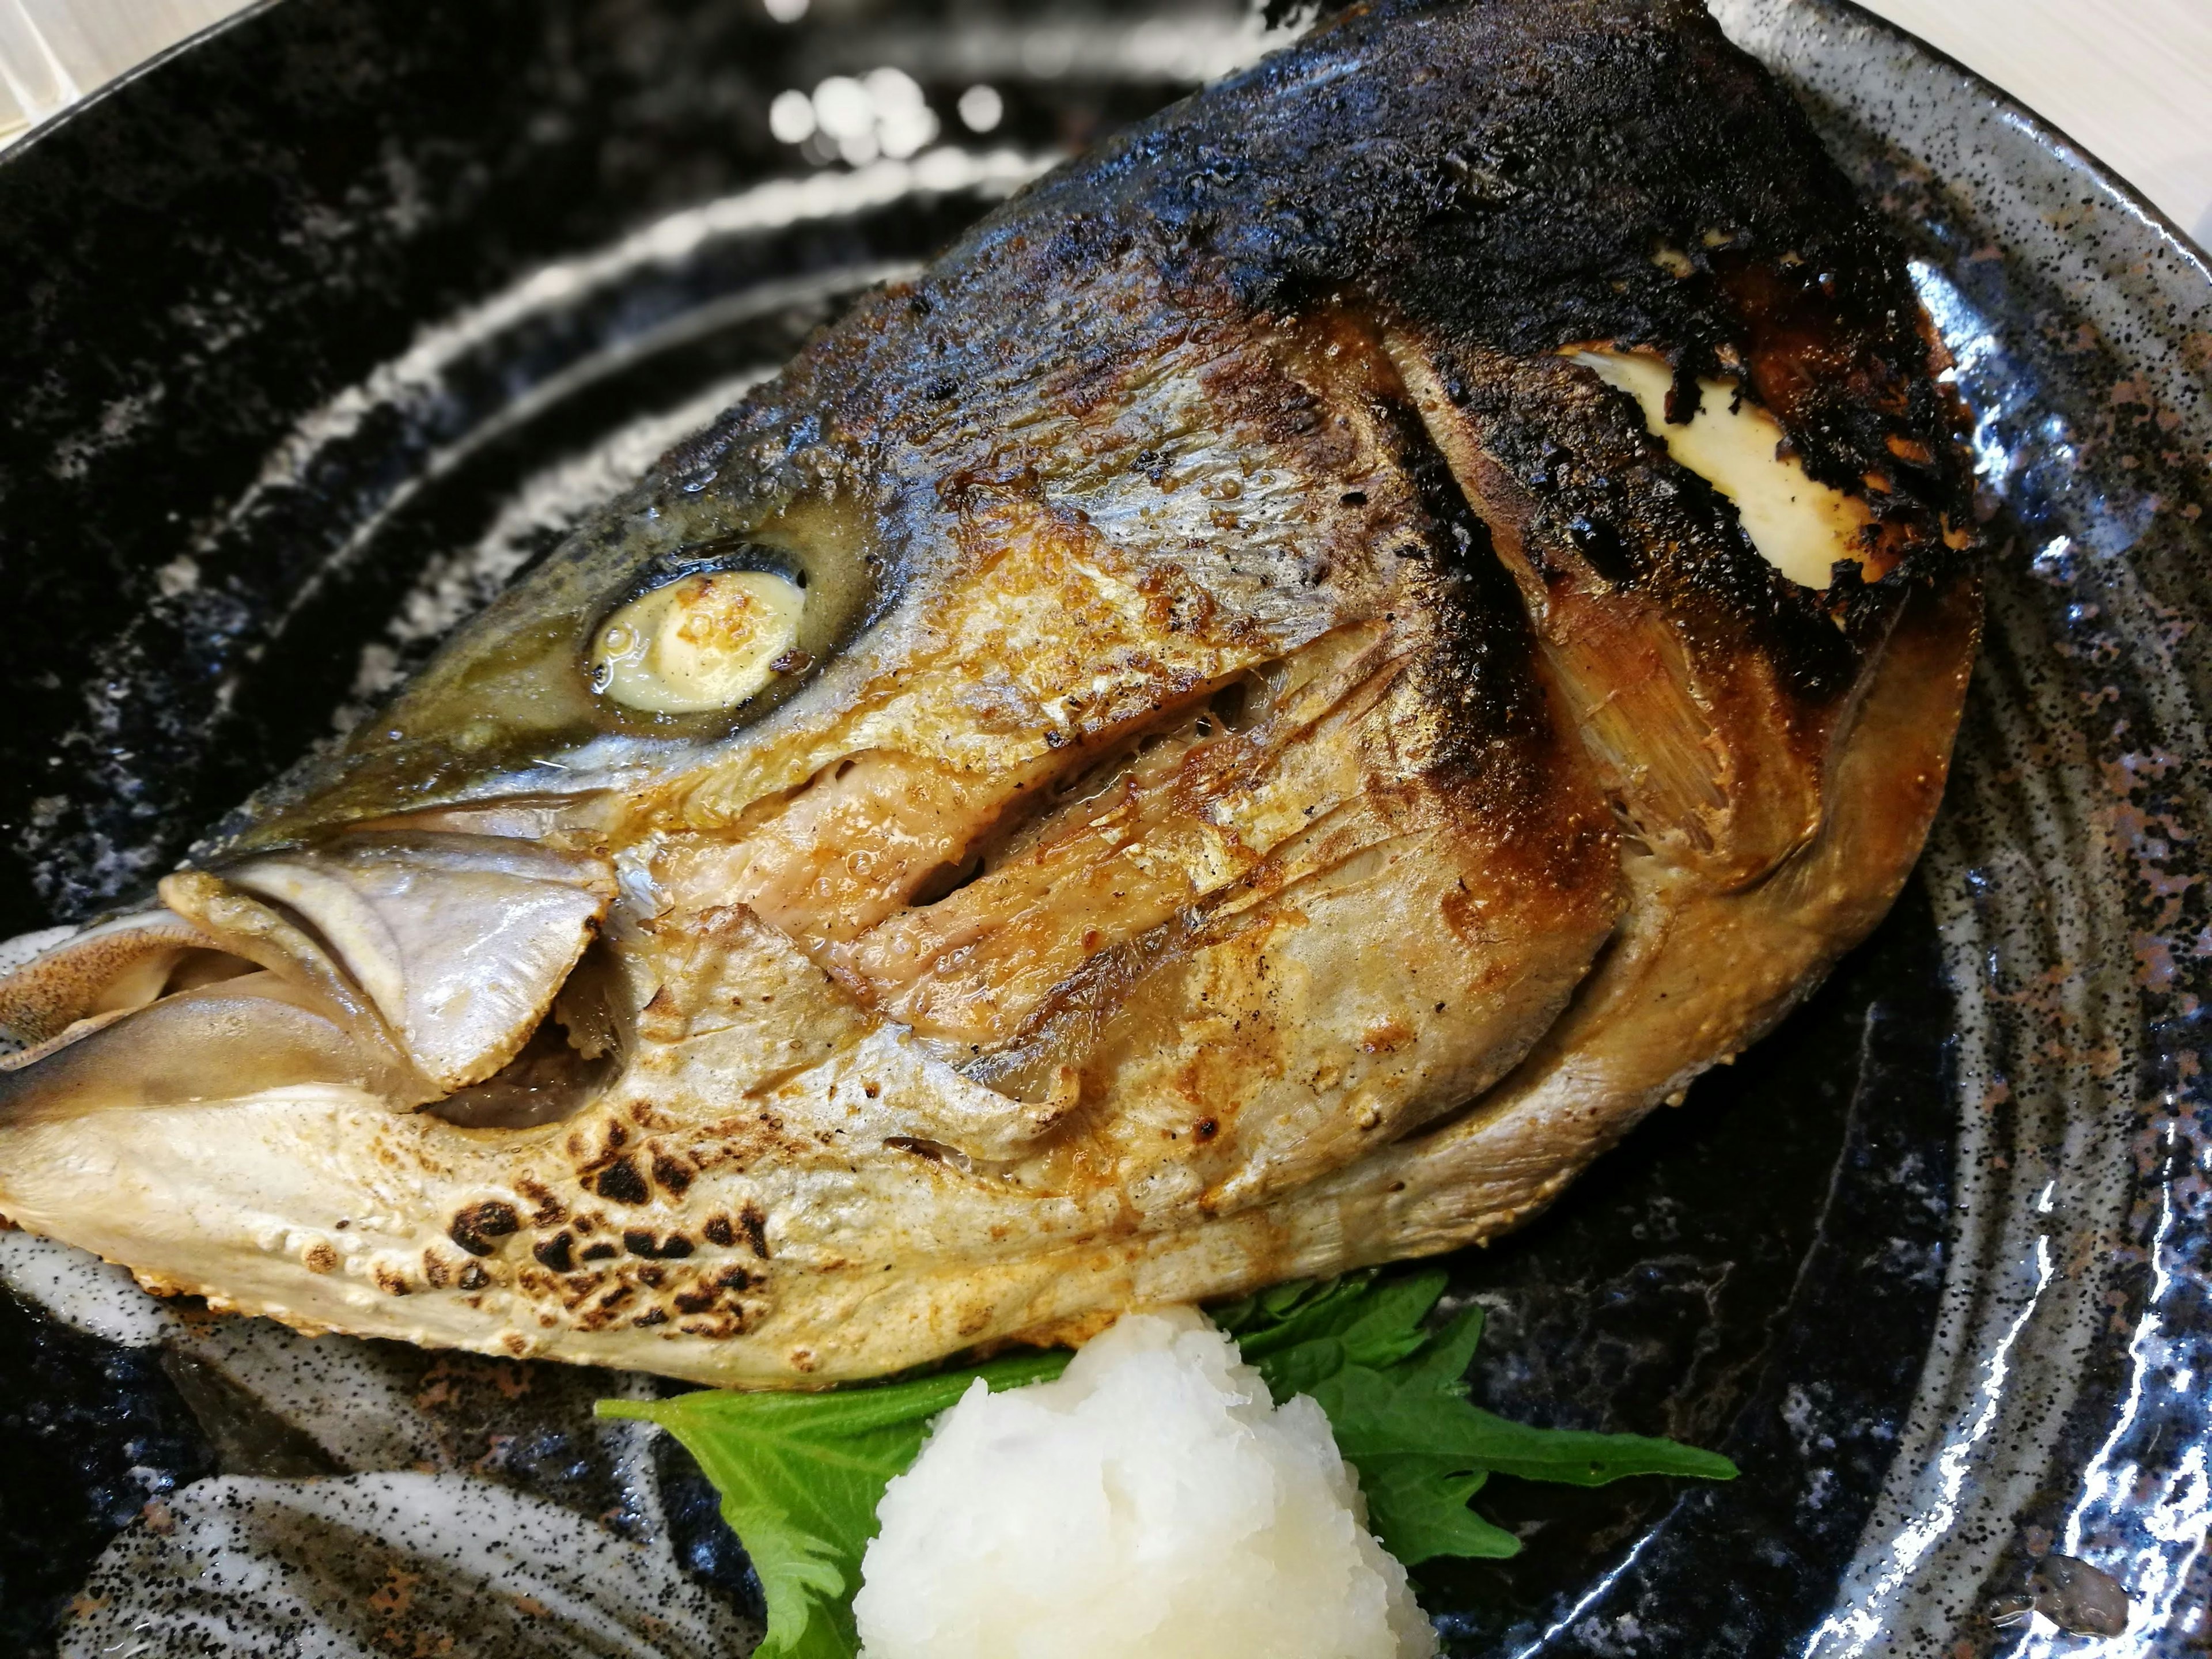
[
  {"x": 1426, "y": 1511},
  {"x": 800, "y": 1475},
  {"x": 1396, "y": 1394}
]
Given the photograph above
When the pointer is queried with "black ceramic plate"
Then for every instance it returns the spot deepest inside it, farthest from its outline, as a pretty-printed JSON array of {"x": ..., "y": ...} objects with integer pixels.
[{"x": 320, "y": 328}]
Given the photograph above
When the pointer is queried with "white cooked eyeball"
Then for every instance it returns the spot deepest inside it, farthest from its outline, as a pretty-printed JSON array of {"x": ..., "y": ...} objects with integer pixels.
[
  {"x": 703, "y": 641},
  {"x": 1151, "y": 1502}
]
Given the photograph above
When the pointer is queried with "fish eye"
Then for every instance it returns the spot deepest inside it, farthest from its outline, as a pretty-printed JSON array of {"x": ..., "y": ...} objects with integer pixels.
[{"x": 707, "y": 639}]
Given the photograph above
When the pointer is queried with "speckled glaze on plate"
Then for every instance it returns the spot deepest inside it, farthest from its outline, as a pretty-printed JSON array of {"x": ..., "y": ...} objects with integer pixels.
[
  {"x": 2066, "y": 1405},
  {"x": 318, "y": 330}
]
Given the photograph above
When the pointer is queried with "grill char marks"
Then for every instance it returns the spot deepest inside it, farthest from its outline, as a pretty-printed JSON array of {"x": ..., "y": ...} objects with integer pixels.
[
  {"x": 1475, "y": 657},
  {"x": 1518, "y": 175},
  {"x": 1680, "y": 688}
]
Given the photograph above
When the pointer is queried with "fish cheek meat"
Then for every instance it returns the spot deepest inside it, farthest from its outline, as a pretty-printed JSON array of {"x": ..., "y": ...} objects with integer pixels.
[
  {"x": 1423, "y": 868},
  {"x": 1303, "y": 757},
  {"x": 1174, "y": 955}
]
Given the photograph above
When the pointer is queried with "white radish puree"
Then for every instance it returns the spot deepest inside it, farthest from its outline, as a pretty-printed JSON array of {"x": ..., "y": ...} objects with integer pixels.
[{"x": 1152, "y": 1502}]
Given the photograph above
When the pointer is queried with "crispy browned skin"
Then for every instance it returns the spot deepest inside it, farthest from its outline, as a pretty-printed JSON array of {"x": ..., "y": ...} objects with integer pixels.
[{"x": 1286, "y": 767}]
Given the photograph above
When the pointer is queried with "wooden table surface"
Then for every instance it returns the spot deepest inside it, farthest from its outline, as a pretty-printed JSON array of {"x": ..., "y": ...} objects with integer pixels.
[{"x": 2131, "y": 79}]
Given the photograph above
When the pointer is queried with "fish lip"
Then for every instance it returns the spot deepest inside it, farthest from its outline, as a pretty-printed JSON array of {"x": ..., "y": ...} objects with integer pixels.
[
  {"x": 231, "y": 1040},
  {"x": 368, "y": 974},
  {"x": 76, "y": 1031},
  {"x": 280, "y": 943},
  {"x": 58, "y": 981},
  {"x": 444, "y": 950}
]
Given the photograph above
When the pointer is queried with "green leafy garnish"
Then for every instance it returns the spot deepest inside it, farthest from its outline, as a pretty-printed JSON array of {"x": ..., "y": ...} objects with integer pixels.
[
  {"x": 801, "y": 1474},
  {"x": 1396, "y": 1394}
]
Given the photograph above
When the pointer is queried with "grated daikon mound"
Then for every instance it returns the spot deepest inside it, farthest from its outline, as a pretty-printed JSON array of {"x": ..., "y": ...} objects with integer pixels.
[{"x": 1152, "y": 1502}]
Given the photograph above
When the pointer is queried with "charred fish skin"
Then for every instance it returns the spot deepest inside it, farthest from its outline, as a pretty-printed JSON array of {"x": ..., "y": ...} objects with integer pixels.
[
  {"x": 1351, "y": 643},
  {"x": 1512, "y": 180}
]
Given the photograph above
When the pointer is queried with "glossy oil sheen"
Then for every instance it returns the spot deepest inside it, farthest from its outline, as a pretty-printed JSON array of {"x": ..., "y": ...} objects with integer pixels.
[{"x": 322, "y": 329}]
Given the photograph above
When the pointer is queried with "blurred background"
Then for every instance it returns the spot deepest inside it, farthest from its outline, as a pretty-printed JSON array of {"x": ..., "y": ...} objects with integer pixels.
[{"x": 2132, "y": 80}]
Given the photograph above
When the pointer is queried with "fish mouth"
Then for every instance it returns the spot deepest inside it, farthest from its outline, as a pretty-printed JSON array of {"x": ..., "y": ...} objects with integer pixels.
[{"x": 422, "y": 970}]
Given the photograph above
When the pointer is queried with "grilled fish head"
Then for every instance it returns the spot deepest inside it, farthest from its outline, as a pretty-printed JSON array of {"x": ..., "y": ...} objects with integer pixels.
[{"x": 1318, "y": 665}]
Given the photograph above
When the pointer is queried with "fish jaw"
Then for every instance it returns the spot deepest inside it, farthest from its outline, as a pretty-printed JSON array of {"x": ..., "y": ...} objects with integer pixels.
[{"x": 408, "y": 966}]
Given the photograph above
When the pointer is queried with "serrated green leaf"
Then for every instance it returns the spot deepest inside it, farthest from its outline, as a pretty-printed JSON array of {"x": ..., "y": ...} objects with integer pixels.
[
  {"x": 1417, "y": 1514},
  {"x": 1303, "y": 1310},
  {"x": 1354, "y": 1320},
  {"x": 1395, "y": 1395},
  {"x": 800, "y": 1476},
  {"x": 1389, "y": 1329},
  {"x": 1575, "y": 1457}
]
